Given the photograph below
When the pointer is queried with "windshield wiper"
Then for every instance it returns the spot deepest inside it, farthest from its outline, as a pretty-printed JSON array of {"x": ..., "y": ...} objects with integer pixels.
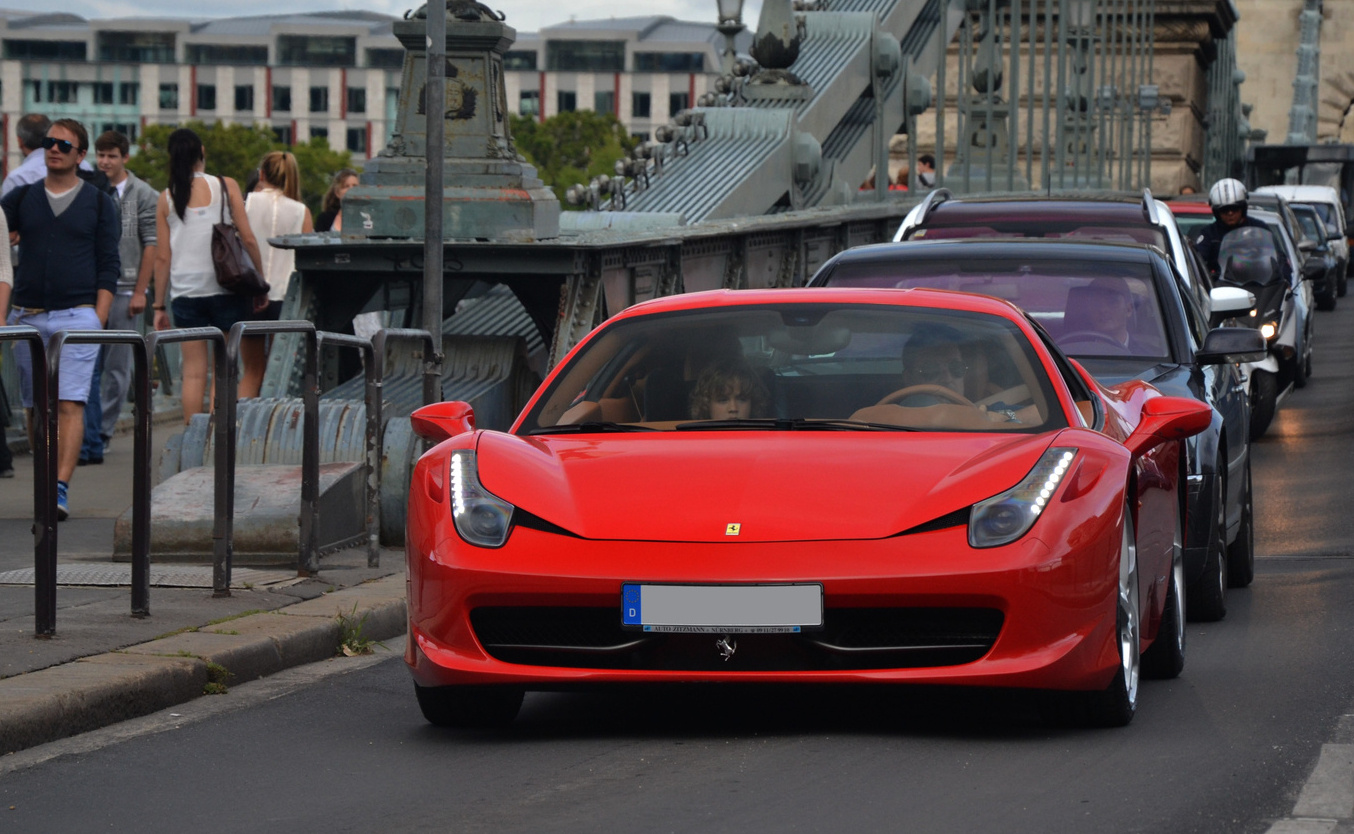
[
  {"x": 590, "y": 427},
  {"x": 790, "y": 424}
]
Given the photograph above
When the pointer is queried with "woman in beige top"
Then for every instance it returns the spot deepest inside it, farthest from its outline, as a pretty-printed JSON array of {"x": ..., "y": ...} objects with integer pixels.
[{"x": 275, "y": 209}]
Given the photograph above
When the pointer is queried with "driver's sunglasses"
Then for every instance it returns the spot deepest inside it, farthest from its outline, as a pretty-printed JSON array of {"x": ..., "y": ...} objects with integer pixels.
[
  {"x": 953, "y": 369},
  {"x": 1234, "y": 207},
  {"x": 60, "y": 144}
]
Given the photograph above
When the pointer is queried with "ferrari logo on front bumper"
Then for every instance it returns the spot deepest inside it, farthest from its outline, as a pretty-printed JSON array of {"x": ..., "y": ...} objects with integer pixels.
[{"x": 732, "y": 529}]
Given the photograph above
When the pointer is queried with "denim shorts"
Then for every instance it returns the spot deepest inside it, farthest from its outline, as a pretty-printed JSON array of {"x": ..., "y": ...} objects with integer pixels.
[
  {"x": 77, "y": 361},
  {"x": 220, "y": 311}
]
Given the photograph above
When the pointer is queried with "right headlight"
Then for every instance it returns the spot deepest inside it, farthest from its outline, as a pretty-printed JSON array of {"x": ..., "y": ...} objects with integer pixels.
[
  {"x": 1004, "y": 518},
  {"x": 481, "y": 517}
]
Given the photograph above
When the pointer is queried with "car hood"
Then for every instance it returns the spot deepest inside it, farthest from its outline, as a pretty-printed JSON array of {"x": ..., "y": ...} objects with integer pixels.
[{"x": 777, "y": 486}]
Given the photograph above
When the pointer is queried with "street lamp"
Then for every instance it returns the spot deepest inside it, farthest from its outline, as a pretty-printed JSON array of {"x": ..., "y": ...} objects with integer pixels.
[{"x": 730, "y": 25}]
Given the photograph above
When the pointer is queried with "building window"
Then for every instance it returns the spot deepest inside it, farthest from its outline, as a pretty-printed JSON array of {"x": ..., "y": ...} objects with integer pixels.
[
  {"x": 357, "y": 100},
  {"x": 585, "y": 56},
  {"x": 169, "y": 96},
  {"x": 129, "y": 92},
  {"x": 385, "y": 58},
  {"x": 128, "y": 129},
  {"x": 566, "y": 101},
  {"x": 530, "y": 103},
  {"x": 320, "y": 133},
  {"x": 642, "y": 136},
  {"x": 640, "y": 105},
  {"x": 103, "y": 92},
  {"x": 669, "y": 62},
  {"x": 677, "y": 102},
  {"x": 219, "y": 53},
  {"x": 520, "y": 59},
  {"x": 316, "y": 51},
  {"x": 604, "y": 102},
  {"x": 283, "y": 134},
  {"x": 319, "y": 99},
  {"x": 136, "y": 47},
  {"x": 244, "y": 97},
  {"x": 206, "y": 96},
  {"x": 282, "y": 99},
  {"x": 357, "y": 140},
  {"x": 63, "y": 92},
  {"x": 21, "y": 50}
]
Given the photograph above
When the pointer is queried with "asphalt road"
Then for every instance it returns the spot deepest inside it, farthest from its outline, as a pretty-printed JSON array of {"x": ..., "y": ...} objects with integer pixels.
[{"x": 1226, "y": 747}]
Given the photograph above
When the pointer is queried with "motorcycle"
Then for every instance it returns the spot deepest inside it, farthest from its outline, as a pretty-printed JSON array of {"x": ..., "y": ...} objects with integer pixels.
[{"x": 1250, "y": 260}]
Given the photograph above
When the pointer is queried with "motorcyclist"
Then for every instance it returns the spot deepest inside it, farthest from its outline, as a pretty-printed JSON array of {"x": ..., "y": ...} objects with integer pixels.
[{"x": 1228, "y": 200}]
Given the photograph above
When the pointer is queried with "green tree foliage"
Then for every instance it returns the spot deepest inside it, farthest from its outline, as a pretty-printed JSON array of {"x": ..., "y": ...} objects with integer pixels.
[
  {"x": 234, "y": 151},
  {"x": 572, "y": 147}
]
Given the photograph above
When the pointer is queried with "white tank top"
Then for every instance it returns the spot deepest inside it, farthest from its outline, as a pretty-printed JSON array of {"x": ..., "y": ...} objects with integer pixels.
[
  {"x": 273, "y": 214},
  {"x": 191, "y": 271}
]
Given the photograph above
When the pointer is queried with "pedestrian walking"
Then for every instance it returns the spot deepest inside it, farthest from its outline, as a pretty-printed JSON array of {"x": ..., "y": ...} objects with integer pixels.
[
  {"x": 136, "y": 250},
  {"x": 68, "y": 233},
  {"x": 185, "y": 276},
  {"x": 29, "y": 132},
  {"x": 274, "y": 209},
  {"x": 331, "y": 208}
]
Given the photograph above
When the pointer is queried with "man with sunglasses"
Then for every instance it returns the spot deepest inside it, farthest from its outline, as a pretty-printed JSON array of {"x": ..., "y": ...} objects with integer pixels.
[
  {"x": 1228, "y": 199},
  {"x": 933, "y": 355},
  {"x": 65, "y": 279}
]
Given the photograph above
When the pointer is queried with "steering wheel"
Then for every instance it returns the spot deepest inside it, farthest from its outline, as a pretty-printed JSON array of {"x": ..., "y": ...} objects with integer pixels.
[
  {"x": 1083, "y": 335},
  {"x": 933, "y": 390}
]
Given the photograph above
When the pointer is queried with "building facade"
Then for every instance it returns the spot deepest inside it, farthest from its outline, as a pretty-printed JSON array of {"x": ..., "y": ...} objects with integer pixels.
[
  {"x": 333, "y": 74},
  {"x": 644, "y": 70}
]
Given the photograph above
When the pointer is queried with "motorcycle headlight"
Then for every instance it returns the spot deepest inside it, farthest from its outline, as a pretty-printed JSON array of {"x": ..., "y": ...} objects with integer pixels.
[
  {"x": 1269, "y": 329},
  {"x": 481, "y": 518},
  {"x": 1004, "y": 518}
]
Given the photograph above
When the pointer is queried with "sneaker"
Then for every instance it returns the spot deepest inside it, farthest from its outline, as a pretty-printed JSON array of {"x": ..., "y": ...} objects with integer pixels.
[
  {"x": 63, "y": 509},
  {"x": 6, "y": 473}
]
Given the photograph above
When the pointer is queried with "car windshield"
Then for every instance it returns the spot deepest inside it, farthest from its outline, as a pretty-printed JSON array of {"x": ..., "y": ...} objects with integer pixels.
[
  {"x": 1092, "y": 309},
  {"x": 1328, "y": 219},
  {"x": 802, "y": 366},
  {"x": 1310, "y": 226},
  {"x": 1247, "y": 256}
]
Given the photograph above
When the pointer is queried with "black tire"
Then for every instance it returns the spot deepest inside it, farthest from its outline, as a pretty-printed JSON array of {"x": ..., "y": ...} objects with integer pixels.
[
  {"x": 1264, "y": 400},
  {"x": 1342, "y": 285},
  {"x": 1116, "y": 705},
  {"x": 1241, "y": 552},
  {"x": 1326, "y": 302},
  {"x": 1165, "y": 658},
  {"x": 1208, "y": 594},
  {"x": 469, "y": 706},
  {"x": 1302, "y": 366}
]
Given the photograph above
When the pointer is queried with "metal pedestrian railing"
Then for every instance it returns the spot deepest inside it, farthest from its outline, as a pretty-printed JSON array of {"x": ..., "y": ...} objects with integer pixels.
[{"x": 46, "y": 385}]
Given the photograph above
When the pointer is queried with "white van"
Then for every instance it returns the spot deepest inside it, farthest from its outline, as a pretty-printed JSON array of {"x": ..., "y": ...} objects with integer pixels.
[{"x": 1327, "y": 203}]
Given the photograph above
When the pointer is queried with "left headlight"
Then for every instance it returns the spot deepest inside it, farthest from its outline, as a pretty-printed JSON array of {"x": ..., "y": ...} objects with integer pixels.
[
  {"x": 481, "y": 517},
  {"x": 1004, "y": 518}
]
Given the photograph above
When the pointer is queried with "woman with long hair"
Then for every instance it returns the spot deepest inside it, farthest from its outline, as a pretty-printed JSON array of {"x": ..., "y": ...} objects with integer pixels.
[
  {"x": 331, "y": 209},
  {"x": 185, "y": 276},
  {"x": 274, "y": 210}
]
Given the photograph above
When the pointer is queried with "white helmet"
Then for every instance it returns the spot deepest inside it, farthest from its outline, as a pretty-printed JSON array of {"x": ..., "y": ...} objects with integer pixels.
[{"x": 1228, "y": 192}]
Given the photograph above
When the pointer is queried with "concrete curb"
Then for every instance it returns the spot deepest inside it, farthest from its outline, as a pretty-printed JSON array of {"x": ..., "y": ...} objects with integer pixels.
[{"x": 93, "y": 692}]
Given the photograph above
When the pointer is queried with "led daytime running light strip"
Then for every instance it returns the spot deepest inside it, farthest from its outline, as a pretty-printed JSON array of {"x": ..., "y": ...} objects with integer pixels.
[
  {"x": 458, "y": 485},
  {"x": 1051, "y": 483}
]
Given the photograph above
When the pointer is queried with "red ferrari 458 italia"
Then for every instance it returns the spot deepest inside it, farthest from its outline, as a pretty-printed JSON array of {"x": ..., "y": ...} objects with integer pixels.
[{"x": 835, "y": 485}]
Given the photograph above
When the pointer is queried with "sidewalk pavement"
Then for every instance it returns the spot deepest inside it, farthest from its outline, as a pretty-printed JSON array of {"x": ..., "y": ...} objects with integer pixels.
[{"x": 104, "y": 666}]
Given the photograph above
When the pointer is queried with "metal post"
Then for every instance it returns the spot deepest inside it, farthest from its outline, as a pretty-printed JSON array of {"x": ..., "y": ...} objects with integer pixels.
[
  {"x": 372, "y": 387},
  {"x": 1013, "y": 133},
  {"x": 44, "y": 483},
  {"x": 943, "y": 51},
  {"x": 436, "y": 107},
  {"x": 308, "y": 551}
]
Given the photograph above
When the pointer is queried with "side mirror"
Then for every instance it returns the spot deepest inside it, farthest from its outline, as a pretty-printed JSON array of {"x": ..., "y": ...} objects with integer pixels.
[
  {"x": 1165, "y": 419},
  {"x": 439, "y": 421},
  {"x": 1313, "y": 268},
  {"x": 1229, "y": 345},
  {"x": 1230, "y": 302}
]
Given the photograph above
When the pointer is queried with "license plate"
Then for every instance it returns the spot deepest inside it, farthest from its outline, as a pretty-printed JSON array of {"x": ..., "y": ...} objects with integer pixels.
[{"x": 722, "y": 609}]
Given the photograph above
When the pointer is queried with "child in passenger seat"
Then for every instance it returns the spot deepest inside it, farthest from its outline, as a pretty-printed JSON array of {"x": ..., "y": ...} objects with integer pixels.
[{"x": 728, "y": 391}]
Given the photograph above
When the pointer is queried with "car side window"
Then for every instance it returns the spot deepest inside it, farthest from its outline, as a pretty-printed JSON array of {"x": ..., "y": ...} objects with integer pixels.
[{"x": 1087, "y": 402}]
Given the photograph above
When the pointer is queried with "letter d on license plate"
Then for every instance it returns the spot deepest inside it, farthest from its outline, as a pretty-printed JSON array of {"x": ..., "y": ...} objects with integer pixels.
[{"x": 734, "y": 609}]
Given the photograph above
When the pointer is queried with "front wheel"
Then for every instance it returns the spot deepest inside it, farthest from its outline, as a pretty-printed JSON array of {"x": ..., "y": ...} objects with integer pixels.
[
  {"x": 1116, "y": 705},
  {"x": 1166, "y": 657},
  {"x": 1264, "y": 401},
  {"x": 468, "y": 706},
  {"x": 1241, "y": 552}
]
